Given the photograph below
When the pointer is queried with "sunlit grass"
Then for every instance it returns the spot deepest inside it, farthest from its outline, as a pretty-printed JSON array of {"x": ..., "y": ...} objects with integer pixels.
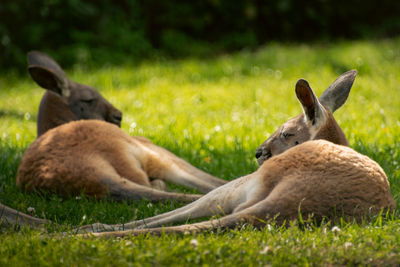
[{"x": 214, "y": 113}]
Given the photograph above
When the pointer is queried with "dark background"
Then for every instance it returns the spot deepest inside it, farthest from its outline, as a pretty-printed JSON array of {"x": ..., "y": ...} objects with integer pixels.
[{"x": 104, "y": 32}]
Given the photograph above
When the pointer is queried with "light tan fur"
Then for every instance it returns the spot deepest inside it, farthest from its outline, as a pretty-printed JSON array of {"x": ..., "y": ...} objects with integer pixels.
[
  {"x": 97, "y": 158},
  {"x": 81, "y": 149},
  {"x": 313, "y": 178},
  {"x": 316, "y": 178}
]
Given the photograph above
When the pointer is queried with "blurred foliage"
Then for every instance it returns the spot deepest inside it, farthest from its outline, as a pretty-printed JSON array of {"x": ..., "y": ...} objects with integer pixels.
[{"x": 100, "y": 31}]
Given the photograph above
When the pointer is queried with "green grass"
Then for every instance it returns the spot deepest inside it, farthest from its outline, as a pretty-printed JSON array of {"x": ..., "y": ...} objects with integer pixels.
[{"x": 214, "y": 113}]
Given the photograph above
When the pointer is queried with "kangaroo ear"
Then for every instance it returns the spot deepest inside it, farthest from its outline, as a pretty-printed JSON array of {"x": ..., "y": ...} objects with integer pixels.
[
  {"x": 47, "y": 73},
  {"x": 36, "y": 58},
  {"x": 336, "y": 94},
  {"x": 49, "y": 80},
  {"x": 311, "y": 106}
]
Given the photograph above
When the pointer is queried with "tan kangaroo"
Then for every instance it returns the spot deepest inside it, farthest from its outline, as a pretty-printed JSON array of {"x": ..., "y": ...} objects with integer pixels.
[
  {"x": 74, "y": 154},
  {"x": 296, "y": 176}
]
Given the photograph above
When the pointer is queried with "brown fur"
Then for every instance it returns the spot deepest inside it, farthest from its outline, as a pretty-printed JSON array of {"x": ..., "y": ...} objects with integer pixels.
[
  {"x": 330, "y": 127},
  {"x": 316, "y": 178},
  {"x": 88, "y": 156}
]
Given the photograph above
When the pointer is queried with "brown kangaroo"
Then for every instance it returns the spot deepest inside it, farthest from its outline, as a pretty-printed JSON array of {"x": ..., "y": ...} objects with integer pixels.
[
  {"x": 78, "y": 151},
  {"x": 313, "y": 178}
]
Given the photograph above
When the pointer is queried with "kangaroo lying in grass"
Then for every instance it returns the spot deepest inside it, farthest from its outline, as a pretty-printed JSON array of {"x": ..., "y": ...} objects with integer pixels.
[
  {"x": 80, "y": 148},
  {"x": 296, "y": 176}
]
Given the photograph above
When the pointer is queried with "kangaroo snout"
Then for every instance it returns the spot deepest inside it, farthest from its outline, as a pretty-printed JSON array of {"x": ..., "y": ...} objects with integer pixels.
[
  {"x": 115, "y": 118},
  {"x": 263, "y": 153},
  {"x": 258, "y": 153}
]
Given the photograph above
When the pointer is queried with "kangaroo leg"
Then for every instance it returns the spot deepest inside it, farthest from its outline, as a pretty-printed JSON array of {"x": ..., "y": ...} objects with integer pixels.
[
  {"x": 253, "y": 203},
  {"x": 254, "y": 215},
  {"x": 120, "y": 189},
  {"x": 223, "y": 200},
  {"x": 229, "y": 198},
  {"x": 174, "y": 169},
  {"x": 159, "y": 185},
  {"x": 10, "y": 217},
  {"x": 108, "y": 180}
]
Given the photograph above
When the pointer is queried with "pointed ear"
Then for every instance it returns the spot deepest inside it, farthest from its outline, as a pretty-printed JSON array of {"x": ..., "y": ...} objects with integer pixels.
[
  {"x": 311, "y": 106},
  {"x": 49, "y": 80},
  {"x": 336, "y": 94},
  {"x": 36, "y": 58}
]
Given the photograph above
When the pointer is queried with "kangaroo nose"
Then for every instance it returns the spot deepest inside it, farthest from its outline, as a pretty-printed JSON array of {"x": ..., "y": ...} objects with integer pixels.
[
  {"x": 258, "y": 153},
  {"x": 118, "y": 117}
]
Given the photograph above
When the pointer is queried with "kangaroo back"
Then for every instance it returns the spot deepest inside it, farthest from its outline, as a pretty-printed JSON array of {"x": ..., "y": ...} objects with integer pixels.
[{"x": 316, "y": 121}]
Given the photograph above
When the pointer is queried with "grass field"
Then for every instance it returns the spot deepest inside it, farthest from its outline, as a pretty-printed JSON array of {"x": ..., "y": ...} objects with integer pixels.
[{"x": 213, "y": 112}]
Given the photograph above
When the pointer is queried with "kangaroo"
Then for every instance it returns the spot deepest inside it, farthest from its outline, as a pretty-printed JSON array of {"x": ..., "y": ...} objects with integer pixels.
[
  {"x": 300, "y": 173},
  {"x": 80, "y": 147}
]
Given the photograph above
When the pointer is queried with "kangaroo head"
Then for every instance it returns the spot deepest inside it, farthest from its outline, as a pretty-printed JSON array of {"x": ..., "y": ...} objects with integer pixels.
[
  {"x": 66, "y": 100},
  {"x": 316, "y": 121}
]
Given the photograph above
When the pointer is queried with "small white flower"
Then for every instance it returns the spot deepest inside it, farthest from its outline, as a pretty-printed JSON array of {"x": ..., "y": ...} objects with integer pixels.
[
  {"x": 348, "y": 245},
  {"x": 149, "y": 205},
  {"x": 31, "y": 210},
  {"x": 78, "y": 197},
  {"x": 27, "y": 116},
  {"x": 194, "y": 243},
  {"x": 266, "y": 250},
  {"x": 84, "y": 217},
  {"x": 335, "y": 229}
]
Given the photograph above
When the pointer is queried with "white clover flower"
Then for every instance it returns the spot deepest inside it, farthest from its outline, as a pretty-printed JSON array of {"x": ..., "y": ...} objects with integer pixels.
[
  {"x": 348, "y": 245},
  {"x": 194, "y": 243}
]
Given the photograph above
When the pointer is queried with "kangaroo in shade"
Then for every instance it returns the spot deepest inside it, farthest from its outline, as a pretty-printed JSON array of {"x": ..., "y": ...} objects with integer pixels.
[
  {"x": 306, "y": 167},
  {"x": 81, "y": 149}
]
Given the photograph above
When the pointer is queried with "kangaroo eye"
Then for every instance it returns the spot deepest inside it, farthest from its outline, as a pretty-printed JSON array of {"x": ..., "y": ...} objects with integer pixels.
[
  {"x": 286, "y": 135},
  {"x": 88, "y": 101}
]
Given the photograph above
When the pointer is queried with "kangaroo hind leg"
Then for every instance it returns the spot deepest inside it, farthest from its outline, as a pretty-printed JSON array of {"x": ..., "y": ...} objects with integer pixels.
[
  {"x": 222, "y": 200},
  {"x": 120, "y": 188},
  {"x": 253, "y": 215},
  {"x": 167, "y": 166}
]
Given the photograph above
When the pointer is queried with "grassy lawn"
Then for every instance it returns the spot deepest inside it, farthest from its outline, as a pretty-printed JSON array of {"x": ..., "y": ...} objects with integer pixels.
[{"x": 214, "y": 113}]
